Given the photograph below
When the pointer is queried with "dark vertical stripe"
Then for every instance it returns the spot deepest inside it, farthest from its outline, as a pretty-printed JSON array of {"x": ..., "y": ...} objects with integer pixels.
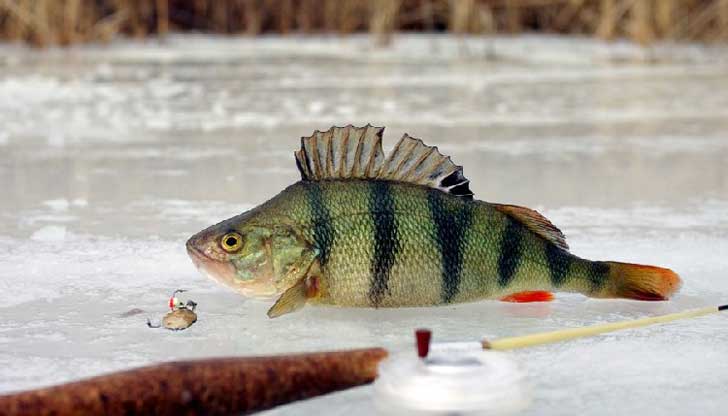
[
  {"x": 450, "y": 229},
  {"x": 598, "y": 275},
  {"x": 559, "y": 262},
  {"x": 510, "y": 252},
  {"x": 386, "y": 244},
  {"x": 323, "y": 233}
]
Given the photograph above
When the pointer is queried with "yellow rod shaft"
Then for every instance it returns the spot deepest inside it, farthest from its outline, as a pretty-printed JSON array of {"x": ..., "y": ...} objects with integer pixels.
[{"x": 567, "y": 334}]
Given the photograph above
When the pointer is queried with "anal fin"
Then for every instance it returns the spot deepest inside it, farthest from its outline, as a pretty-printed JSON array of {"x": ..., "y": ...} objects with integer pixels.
[
  {"x": 529, "y": 296},
  {"x": 295, "y": 297}
]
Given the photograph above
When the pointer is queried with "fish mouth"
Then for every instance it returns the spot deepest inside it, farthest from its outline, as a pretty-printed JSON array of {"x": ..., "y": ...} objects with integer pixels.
[{"x": 222, "y": 272}]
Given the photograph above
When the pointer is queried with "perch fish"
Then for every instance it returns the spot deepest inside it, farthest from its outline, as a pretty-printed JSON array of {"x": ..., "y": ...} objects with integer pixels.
[{"x": 365, "y": 229}]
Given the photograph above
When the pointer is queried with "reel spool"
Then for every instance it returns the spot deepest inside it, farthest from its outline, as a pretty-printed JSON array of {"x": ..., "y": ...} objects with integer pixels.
[{"x": 459, "y": 378}]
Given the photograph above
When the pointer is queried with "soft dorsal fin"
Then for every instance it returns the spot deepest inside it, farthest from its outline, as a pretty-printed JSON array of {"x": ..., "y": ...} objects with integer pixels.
[
  {"x": 535, "y": 222},
  {"x": 356, "y": 153}
]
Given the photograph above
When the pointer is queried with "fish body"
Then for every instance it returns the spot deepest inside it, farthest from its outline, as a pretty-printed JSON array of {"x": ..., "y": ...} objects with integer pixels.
[{"x": 359, "y": 230}]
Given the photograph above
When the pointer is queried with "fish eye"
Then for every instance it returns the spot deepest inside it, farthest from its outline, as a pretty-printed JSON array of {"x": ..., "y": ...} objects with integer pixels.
[{"x": 231, "y": 242}]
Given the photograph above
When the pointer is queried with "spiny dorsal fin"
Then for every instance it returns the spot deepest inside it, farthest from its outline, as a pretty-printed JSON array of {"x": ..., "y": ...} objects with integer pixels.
[
  {"x": 356, "y": 153},
  {"x": 341, "y": 153},
  {"x": 535, "y": 222}
]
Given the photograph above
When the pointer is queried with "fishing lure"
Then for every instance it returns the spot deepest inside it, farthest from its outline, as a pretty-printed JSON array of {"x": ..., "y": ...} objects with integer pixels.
[
  {"x": 366, "y": 229},
  {"x": 180, "y": 316}
]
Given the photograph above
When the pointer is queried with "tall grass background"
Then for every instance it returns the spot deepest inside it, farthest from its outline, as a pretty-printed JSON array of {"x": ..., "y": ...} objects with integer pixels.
[{"x": 52, "y": 22}]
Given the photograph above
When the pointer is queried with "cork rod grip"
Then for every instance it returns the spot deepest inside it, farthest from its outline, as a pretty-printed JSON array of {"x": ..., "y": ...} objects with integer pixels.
[{"x": 218, "y": 386}]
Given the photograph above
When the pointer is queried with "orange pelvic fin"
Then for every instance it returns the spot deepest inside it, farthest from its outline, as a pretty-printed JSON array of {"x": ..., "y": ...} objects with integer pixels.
[{"x": 529, "y": 296}]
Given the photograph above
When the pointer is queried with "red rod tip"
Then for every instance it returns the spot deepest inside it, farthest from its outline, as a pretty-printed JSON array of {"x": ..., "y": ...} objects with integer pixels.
[{"x": 423, "y": 342}]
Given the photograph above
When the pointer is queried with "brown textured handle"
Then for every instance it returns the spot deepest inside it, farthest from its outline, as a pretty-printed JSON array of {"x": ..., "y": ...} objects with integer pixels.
[{"x": 219, "y": 386}]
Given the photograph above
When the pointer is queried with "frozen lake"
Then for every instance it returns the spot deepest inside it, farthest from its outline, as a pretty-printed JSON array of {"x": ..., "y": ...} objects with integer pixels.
[{"x": 111, "y": 157}]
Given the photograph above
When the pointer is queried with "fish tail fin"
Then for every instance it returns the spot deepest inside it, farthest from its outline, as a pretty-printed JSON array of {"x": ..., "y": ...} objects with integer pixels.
[{"x": 641, "y": 282}]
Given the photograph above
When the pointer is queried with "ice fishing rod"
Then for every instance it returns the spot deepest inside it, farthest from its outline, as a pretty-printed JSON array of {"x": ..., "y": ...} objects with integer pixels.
[
  {"x": 541, "y": 338},
  {"x": 234, "y": 385}
]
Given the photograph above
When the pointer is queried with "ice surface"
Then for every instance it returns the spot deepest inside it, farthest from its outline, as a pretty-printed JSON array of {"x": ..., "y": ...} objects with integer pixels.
[{"x": 111, "y": 157}]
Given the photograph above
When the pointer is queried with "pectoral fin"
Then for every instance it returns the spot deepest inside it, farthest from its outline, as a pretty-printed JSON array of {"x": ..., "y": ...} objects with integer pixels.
[{"x": 295, "y": 297}]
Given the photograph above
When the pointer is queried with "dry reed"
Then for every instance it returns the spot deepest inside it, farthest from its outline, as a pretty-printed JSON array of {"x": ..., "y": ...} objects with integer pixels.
[{"x": 45, "y": 22}]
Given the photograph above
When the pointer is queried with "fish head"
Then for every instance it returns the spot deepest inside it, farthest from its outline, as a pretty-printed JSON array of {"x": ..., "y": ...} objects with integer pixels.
[
  {"x": 235, "y": 255},
  {"x": 246, "y": 257}
]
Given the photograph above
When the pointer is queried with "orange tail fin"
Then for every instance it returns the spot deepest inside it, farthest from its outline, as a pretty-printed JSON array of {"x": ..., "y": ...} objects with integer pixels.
[{"x": 636, "y": 281}]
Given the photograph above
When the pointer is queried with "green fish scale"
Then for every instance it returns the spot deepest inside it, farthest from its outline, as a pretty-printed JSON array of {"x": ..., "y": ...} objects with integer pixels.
[{"x": 442, "y": 249}]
